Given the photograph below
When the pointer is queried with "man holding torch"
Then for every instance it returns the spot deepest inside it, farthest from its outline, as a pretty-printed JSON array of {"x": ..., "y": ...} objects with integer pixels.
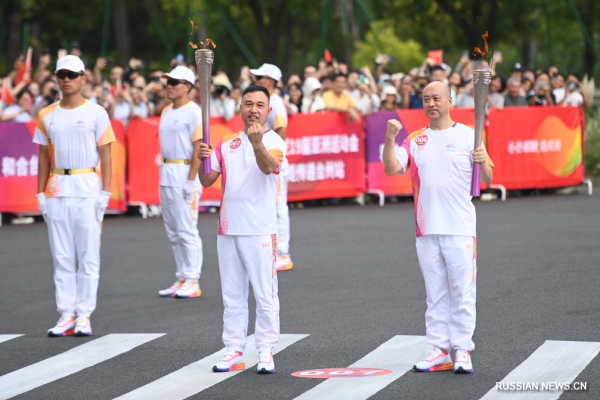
[
  {"x": 180, "y": 135},
  {"x": 249, "y": 162},
  {"x": 441, "y": 157}
]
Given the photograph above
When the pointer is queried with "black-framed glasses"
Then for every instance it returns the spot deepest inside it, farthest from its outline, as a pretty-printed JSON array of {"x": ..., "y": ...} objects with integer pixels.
[
  {"x": 68, "y": 74},
  {"x": 258, "y": 78},
  {"x": 173, "y": 82}
]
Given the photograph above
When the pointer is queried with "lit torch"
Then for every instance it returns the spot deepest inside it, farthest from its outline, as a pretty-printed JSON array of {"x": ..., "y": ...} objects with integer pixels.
[
  {"x": 204, "y": 61},
  {"x": 481, "y": 78}
]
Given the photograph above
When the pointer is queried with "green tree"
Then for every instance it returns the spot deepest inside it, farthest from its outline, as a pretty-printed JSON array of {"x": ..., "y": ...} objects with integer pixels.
[{"x": 382, "y": 39}]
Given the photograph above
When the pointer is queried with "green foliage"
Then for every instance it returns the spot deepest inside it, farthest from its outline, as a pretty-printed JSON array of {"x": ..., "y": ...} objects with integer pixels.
[
  {"x": 381, "y": 39},
  {"x": 592, "y": 142}
]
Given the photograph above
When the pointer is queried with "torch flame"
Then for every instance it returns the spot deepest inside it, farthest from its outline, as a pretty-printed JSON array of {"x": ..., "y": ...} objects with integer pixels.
[
  {"x": 204, "y": 43},
  {"x": 485, "y": 50}
]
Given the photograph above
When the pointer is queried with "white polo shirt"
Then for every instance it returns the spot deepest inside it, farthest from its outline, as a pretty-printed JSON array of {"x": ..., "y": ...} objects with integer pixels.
[
  {"x": 441, "y": 166},
  {"x": 278, "y": 118},
  {"x": 75, "y": 135},
  {"x": 249, "y": 205},
  {"x": 179, "y": 128}
]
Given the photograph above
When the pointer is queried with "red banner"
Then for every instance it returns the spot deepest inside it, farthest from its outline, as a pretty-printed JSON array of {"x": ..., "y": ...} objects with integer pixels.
[
  {"x": 19, "y": 158},
  {"x": 143, "y": 145},
  {"x": 536, "y": 147},
  {"x": 411, "y": 120},
  {"x": 326, "y": 155}
]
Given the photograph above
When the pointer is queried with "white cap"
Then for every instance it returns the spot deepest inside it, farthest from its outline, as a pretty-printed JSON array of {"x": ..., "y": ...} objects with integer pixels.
[
  {"x": 388, "y": 90},
  {"x": 269, "y": 70},
  {"x": 182, "y": 73},
  {"x": 310, "y": 85},
  {"x": 70, "y": 63}
]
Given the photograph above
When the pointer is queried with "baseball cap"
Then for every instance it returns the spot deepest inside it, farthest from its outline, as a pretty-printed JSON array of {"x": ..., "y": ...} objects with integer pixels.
[
  {"x": 269, "y": 70},
  {"x": 518, "y": 67},
  {"x": 388, "y": 90},
  {"x": 181, "y": 73},
  {"x": 70, "y": 63}
]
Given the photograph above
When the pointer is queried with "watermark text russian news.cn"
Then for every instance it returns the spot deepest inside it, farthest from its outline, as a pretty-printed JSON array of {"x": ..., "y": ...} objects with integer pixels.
[{"x": 541, "y": 386}]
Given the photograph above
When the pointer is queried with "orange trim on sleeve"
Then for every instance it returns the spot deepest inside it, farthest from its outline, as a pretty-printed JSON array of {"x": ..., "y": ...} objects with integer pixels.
[
  {"x": 279, "y": 122},
  {"x": 490, "y": 162},
  {"x": 197, "y": 135},
  {"x": 108, "y": 136},
  {"x": 416, "y": 133},
  {"x": 278, "y": 154},
  {"x": 167, "y": 107}
]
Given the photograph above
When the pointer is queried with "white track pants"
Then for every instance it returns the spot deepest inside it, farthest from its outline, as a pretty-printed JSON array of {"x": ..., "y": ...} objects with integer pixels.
[
  {"x": 283, "y": 212},
  {"x": 74, "y": 235},
  {"x": 449, "y": 268},
  {"x": 181, "y": 223},
  {"x": 244, "y": 259}
]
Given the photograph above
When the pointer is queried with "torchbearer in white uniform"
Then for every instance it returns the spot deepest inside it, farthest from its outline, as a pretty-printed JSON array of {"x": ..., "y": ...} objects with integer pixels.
[
  {"x": 440, "y": 158},
  {"x": 267, "y": 76},
  {"x": 74, "y": 136},
  {"x": 180, "y": 134},
  {"x": 249, "y": 163}
]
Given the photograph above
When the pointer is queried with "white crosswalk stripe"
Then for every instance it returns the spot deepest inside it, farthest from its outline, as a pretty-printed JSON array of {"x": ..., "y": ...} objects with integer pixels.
[
  {"x": 198, "y": 376},
  {"x": 554, "y": 361},
  {"x": 70, "y": 362},
  {"x": 398, "y": 354},
  {"x": 6, "y": 338}
]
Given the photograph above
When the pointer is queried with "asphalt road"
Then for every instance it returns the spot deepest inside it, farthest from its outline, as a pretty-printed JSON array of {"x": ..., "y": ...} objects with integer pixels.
[{"x": 356, "y": 285}]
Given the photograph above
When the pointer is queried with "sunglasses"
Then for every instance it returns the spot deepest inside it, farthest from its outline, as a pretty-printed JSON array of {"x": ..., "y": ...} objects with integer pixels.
[
  {"x": 71, "y": 75},
  {"x": 258, "y": 78},
  {"x": 173, "y": 82}
]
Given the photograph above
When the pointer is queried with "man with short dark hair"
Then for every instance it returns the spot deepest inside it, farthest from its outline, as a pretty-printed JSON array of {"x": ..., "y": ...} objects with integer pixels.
[
  {"x": 74, "y": 135},
  {"x": 249, "y": 162},
  {"x": 180, "y": 132},
  {"x": 339, "y": 100}
]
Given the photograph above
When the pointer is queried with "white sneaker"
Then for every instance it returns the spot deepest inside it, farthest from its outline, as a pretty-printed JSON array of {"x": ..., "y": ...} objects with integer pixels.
[
  {"x": 188, "y": 290},
  {"x": 284, "y": 263},
  {"x": 232, "y": 361},
  {"x": 462, "y": 362},
  {"x": 266, "y": 365},
  {"x": 438, "y": 360},
  {"x": 83, "y": 327},
  {"x": 64, "y": 327},
  {"x": 170, "y": 292}
]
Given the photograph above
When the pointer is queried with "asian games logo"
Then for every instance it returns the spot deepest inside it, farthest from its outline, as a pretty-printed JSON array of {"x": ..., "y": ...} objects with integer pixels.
[
  {"x": 421, "y": 140},
  {"x": 235, "y": 143}
]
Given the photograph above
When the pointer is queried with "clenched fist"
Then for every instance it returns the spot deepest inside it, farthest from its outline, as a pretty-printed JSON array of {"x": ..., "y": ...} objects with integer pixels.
[
  {"x": 393, "y": 128},
  {"x": 255, "y": 134},
  {"x": 480, "y": 155},
  {"x": 204, "y": 151}
]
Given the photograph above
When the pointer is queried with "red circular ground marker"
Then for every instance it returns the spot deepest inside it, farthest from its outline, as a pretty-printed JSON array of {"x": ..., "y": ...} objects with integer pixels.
[{"x": 326, "y": 373}]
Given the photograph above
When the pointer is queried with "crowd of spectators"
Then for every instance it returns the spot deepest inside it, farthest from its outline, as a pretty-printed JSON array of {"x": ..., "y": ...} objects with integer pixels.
[{"x": 134, "y": 91}]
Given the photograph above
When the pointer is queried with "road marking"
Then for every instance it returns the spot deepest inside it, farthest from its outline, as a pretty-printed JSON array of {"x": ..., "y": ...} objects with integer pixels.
[
  {"x": 6, "y": 338},
  {"x": 70, "y": 362},
  {"x": 399, "y": 354},
  {"x": 198, "y": 376},
  {"x": 554, "y": 361}
]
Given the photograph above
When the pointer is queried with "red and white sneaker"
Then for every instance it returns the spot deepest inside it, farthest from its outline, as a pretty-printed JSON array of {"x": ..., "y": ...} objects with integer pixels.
[
  {"x": 438, "y": 360},
  {"x": 170, "y": 292},
  {"x": 266, "y": 365},
  {"x": 83, "y": 327},
  {"x": 64, "y": 327},
  {"x": 232, "y": 361},
  {"x": 284, "y": 263},
  {"x": 462, "y": 362},
  {"x": 189, "y": 290}
]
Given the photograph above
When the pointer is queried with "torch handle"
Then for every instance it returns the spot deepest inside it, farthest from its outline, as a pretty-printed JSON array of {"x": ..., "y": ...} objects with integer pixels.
[
  {"x": 475, "y": 178},
  {"x": 206, "y": 162}
]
